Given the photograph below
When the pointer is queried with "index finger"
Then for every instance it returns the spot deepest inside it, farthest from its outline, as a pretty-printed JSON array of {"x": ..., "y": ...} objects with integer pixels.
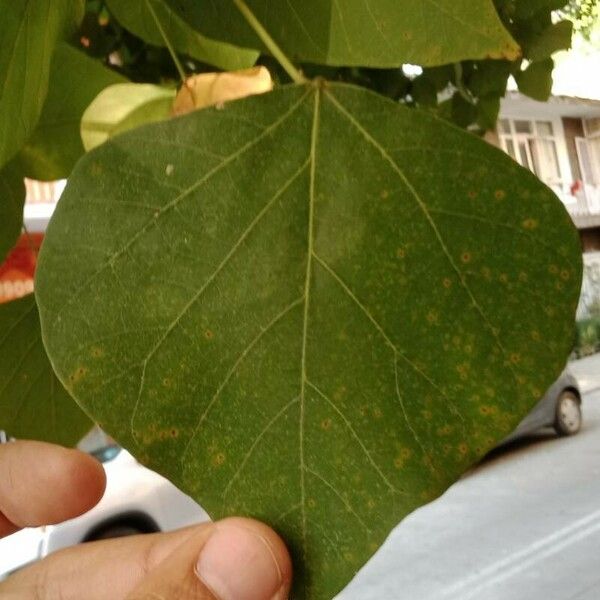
[{"x": 43, "y": 484}]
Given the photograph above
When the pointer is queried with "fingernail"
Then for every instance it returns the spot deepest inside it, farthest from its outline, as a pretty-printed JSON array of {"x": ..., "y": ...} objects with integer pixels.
[{"x": 238, "y": 564}]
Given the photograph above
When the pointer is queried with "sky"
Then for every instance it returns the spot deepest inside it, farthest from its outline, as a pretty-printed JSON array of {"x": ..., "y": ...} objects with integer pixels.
[{"x": 577, "y": 71}]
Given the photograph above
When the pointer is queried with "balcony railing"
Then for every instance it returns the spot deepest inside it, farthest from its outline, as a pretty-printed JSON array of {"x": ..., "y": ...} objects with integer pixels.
[{"x": 583, "y": 204}]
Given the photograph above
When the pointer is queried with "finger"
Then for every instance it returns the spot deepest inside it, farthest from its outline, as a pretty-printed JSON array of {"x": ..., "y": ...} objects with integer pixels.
[
  {"x": 235, "y": 559},
  {"x": 42, "y": 484},
  {"x": 141, "y": 567}
]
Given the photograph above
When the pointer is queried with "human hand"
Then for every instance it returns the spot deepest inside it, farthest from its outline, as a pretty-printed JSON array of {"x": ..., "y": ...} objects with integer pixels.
[{"x": 42, "y": 484}]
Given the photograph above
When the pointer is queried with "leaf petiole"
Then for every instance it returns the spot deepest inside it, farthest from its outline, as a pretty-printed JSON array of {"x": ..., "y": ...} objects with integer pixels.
[
  {"x": 269, "y": 42},
  {"x": 170, "y": 47}
]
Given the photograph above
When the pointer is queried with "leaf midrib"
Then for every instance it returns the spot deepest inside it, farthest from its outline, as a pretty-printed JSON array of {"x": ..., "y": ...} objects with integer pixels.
[{"x": 307, "y": 280}]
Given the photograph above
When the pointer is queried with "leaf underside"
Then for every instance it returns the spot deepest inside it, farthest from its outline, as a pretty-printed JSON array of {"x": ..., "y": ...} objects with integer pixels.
[
  {"x": 33, "y": 403},
  {"x": 141, "y": 16},
  {"x": 376, "y": 33},
  {"x": 313, "y": 307}
]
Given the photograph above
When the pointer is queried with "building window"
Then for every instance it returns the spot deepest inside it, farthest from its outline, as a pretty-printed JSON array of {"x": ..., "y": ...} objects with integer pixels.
[
  {"x": 533, "y": 145},
  {"x": 588, "y": 150}
]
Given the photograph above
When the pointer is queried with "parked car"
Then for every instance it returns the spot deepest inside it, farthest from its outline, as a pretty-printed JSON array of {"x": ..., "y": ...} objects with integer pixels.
[
  {"x": 559, "y": 408},
  {"x": 136, "y": 500}
]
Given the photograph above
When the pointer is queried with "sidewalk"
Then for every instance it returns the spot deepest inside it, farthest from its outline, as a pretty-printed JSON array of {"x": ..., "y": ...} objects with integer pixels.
[{"x": 587, "y": 372}]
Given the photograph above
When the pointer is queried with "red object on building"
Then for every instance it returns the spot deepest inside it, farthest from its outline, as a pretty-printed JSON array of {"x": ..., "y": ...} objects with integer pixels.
[{"x": 18, "y": 270}]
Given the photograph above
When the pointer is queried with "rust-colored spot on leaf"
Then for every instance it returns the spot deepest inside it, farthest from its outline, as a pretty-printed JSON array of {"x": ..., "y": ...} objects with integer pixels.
[
  {"x": 218, "y": 459},
  {"x": 78, "y": 375}
]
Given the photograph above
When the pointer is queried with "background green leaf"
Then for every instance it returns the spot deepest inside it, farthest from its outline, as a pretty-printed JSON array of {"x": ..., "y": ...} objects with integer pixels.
[
  {"x": 29, "y": 31},
  {"x": 552, "y": 39},
  {"x": 536, "y": 80},
  {"x": 33, "y": 403},
  {"x": 136, "y": 15},
  {"x": 55, "y": 146},
  {"x": 12, "y": 200},
  {"x": 377, "y": 33},
  {"x": 308, "y": 307},
  {"x": 525, "y": 9},
  {"x": 124, "y": 106}
]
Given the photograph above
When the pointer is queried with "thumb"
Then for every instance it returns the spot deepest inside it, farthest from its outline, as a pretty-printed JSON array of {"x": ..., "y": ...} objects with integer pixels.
[{"x": 233, "y": 559}]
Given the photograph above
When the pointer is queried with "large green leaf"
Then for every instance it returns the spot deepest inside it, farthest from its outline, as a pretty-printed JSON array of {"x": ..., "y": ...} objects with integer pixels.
[
  {"x": 141, "y": 16},
  {"x": 33, "y": 403},
  {"x": 124, "y": 106},
  {"x": 29, "y": 31},
  {"x": 12, "y": 200},
  {"x": 315, "y": 307},
  {"x": 55, "y": 146},
  {"x": 377, "y": 33}
]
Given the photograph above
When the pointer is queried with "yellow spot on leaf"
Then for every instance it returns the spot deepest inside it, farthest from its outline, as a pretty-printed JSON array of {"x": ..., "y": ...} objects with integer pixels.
[
  {"x": 530, "y": 224},
  {"x": 445, "y": 430},
  {"x": 500, "y": 194},
  {"x": 78, "y": 375},
  {"x": 218, "y": 459},
  {"x": 433, "y": 317},
  {"x": 326, "y": 424}
]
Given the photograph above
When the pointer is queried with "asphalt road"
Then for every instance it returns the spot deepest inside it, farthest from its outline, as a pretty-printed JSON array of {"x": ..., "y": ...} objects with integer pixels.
[{"x": 523, "y": 525}]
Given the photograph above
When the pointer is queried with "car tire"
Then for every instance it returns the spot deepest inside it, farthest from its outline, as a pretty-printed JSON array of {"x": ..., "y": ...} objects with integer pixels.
[{"x": 568, "y": 414}]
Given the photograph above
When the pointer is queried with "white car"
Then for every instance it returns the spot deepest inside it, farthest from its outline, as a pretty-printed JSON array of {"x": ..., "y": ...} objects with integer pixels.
[{"x": 136, "y": 500}]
